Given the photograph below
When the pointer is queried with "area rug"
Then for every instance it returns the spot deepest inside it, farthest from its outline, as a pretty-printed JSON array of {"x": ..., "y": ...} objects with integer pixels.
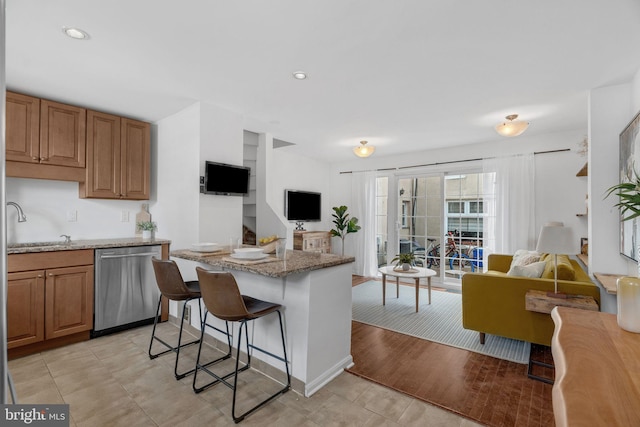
[{"x": 440, "y": 321}]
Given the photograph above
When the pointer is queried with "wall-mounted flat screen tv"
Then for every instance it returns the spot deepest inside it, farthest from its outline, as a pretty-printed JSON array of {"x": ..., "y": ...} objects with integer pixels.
[
  {"x": 227, "y": 180},
  {"x": 302, "y": 205}
]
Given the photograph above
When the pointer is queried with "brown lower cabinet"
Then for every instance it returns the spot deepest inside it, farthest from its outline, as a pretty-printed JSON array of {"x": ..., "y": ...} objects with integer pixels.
[{"x": 49, "y": 299}]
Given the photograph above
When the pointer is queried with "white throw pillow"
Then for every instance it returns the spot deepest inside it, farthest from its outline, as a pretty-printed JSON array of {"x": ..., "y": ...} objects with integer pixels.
[
  {"x": 533, "y": 270},
  {"x": 524, "y": 257}
]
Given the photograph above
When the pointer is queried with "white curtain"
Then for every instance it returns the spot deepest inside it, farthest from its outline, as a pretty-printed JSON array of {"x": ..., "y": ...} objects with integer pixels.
[
  {"x": 510, "y": 204},
  {"x": 363, "y": 195}
]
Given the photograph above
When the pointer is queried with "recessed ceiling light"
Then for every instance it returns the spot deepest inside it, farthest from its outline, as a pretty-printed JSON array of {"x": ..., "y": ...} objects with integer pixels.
[
  {"x": 300, "y": 75},
  {"x": 75, "y": 33}
]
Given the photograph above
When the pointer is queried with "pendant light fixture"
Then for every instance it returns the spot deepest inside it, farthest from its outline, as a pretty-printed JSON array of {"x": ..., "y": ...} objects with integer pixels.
[
  {"x": 364, "y": 150},
  {"x": 512, "y": 127}
]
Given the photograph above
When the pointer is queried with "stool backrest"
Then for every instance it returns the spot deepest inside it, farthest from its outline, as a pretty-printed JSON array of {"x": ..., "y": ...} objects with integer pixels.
[
  {"x": 169, "y": 280},
  {"x": 221, "y": 295}
]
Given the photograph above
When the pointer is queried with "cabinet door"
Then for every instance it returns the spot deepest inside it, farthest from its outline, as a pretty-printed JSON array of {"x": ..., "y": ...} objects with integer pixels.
[
  {"x": 22, "y": 128},
  {"x": 103, "y": 156},
  {"x": 135, "y": 159},
  {"x": 69, "y": 301},
  {"x": 25, "y": 308},
  {"x": 62, "y": 134}
]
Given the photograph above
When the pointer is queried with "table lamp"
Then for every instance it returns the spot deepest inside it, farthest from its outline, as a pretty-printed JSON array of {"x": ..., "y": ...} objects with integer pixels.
[{"x": 556, "y": 239}]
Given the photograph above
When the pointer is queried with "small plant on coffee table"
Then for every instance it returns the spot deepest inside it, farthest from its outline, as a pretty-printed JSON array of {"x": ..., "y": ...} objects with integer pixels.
[{"x": 404, "y": 261}]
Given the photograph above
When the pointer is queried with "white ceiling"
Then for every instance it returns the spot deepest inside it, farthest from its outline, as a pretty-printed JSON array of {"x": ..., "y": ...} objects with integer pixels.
[{"x": 405, "y": 75}]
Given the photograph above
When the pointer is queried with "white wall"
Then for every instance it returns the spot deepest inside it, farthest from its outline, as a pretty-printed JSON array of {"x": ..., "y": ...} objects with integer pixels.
[
  {"x": 295, "y": 172},
  {"x": 611, "y": 108},
  {"x": 278, "y": 169},
  {"x": 185, "y": 141},
  {"x": 609, "y": 112},
  {"x": 177, "y": 171},
  {"x": 221, "y": 140},
  {"x": 46, "y": 204}
]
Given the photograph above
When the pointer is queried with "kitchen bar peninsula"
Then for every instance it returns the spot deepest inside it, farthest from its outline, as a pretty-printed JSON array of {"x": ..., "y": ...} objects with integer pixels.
[{"x": 315, "y": 291}]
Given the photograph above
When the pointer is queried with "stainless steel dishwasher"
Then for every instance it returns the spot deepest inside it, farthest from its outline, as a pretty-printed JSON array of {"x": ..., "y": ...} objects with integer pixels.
[{"x": 126, "y": 293}]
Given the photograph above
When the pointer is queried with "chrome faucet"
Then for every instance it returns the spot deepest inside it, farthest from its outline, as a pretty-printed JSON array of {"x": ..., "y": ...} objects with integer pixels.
[
  {"x": 21, "y": 216},
  {"x": 67, "y": 239}
]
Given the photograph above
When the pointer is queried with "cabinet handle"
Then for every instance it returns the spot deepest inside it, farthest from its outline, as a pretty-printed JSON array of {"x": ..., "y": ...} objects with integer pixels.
[
  {"x": 50, "y": 274},
  {"x": 43, "y": 159},
  {"x": 39, "y": 276},
  {"x": 35, "y": 158}
]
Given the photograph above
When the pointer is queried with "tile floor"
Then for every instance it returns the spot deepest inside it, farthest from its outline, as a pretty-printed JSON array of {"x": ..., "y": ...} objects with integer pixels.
[{"x": 110, "y": 381}]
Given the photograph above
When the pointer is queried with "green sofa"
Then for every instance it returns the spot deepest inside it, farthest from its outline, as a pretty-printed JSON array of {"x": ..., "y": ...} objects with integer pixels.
[{"x": 494, "y": 302}]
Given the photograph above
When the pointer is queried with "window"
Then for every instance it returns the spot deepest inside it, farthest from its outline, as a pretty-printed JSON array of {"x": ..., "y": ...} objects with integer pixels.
[
  {"x": 426, "y": 208},
  {"x": 476, "y": 207},
  {"x": 455, "y": 207},
  {"x": 382, "y": 185},
  {"x": 406, "y": 205}
]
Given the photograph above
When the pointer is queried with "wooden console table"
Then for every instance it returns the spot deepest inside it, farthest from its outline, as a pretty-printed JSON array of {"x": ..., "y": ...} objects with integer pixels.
[
  {"x": 597, "y": 365},
  {"x": 315, "y": 241}
]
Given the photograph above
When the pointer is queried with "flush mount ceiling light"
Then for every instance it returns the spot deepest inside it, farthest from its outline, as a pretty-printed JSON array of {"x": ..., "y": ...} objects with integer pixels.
[
  {"x": 512, "y": 127},
  {"x": 364, "y": 150},
  {"x": 300, "y": 75},
  {"x": 75, "y": 33}
]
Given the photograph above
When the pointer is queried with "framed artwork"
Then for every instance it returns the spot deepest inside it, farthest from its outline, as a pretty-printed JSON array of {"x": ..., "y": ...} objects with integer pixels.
[{"x": 629, "y": 159}]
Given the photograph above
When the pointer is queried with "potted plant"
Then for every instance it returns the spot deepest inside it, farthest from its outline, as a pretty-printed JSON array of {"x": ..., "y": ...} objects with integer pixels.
[
  {"x": 147, "y": 228},
  {"x": 628, "y": 288},
  {"x": 629, "y": 193},
  {"x": 404, "y": 261},
  {"x": 343, "y": 224}
]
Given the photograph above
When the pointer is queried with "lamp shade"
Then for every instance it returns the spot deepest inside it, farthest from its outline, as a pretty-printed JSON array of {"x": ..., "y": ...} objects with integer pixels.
[
  {"x": 555, "y": 238},
  {"x": 511, "y": 127},
  {"x": 364, "y": 150}
]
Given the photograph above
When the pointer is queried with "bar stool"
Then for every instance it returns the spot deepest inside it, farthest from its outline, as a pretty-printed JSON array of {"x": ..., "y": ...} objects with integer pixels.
[
  {"x": 173, "y": 287},
  {"x": 222, "y": 298}
]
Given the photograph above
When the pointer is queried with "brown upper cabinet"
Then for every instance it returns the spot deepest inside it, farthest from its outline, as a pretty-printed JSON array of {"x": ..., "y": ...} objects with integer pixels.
[
  {"x": 23, "y": 128},
  {"x": 62, "y": 134},
  {"x": 45, "y": 139},
  {"x": 118, "y": 158},
  {"x": 110, "y": 156}
]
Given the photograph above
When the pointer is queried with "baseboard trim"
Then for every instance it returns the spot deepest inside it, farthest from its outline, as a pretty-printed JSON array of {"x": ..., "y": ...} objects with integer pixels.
[{"x": 327, "y": 376}]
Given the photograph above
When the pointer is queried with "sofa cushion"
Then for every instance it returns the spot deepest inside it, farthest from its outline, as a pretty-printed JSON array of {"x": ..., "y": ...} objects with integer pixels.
[
  {"x": 565, "y": 269},
  {"x": 533, "y": 270}
]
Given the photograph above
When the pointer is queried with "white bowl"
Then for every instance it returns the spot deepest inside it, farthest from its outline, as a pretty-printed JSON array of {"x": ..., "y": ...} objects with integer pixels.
[
  {"x": 248, "y": 250},
  {"x": 249, "y": 255},
  {"x": 205, "y": 247}
]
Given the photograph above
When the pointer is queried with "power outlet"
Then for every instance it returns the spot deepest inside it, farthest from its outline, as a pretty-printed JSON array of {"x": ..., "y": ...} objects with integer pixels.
[
  {"x": 124, "y": 216},
  {"x": 187, "y": 314},
  {"x": 72, "y": 216}
]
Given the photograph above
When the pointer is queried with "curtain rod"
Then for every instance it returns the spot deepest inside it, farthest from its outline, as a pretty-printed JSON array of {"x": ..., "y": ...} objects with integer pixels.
[{"x": 452, "y": 161}]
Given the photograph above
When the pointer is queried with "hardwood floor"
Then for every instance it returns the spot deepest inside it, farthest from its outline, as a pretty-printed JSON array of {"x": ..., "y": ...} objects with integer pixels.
[{"x": 491, "y": 391}]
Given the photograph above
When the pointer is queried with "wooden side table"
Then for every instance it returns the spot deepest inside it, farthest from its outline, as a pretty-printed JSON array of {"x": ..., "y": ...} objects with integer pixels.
[{"x": 539, "y": 302}]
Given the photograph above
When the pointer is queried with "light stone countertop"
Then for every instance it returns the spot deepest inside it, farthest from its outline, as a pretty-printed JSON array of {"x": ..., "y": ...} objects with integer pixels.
[
  {"x": 296, "y": 262},
  {"x": 23, "y": 248}
]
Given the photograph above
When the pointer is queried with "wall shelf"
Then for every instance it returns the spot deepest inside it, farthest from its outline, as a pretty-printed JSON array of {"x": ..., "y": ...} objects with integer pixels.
[{"x": 583, "y": 171}]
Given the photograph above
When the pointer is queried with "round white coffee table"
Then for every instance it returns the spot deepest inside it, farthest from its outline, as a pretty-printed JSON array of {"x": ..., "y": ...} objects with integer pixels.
[{"x": 415, "y": 273}]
